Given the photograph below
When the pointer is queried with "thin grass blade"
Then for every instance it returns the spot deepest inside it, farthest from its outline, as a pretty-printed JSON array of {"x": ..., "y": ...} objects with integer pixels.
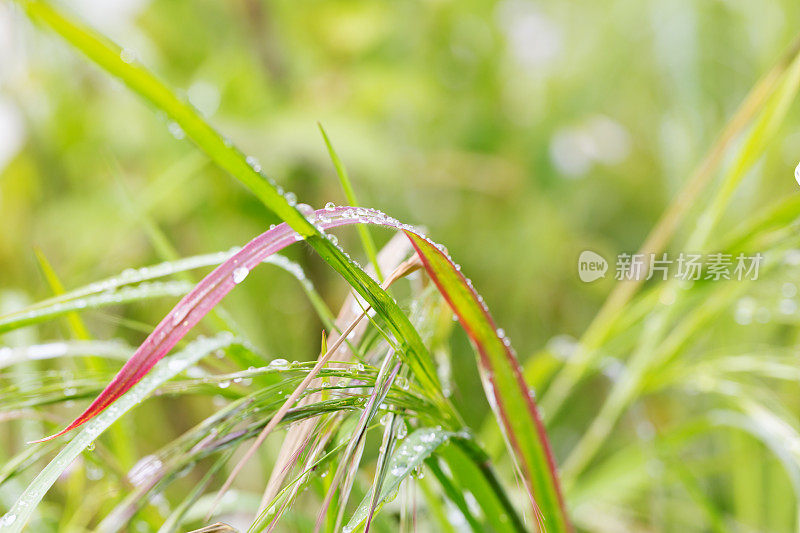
[
  {"x": 504, "y": 386},
  {"x": 350, "y": 194}
]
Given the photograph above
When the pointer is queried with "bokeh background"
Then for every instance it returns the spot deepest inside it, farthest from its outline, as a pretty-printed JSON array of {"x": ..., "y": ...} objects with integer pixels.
[{"x": 519, "y": 132}]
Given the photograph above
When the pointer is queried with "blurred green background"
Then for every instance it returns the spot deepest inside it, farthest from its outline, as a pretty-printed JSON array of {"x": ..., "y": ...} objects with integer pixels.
[{"x": 518, "y": 132}]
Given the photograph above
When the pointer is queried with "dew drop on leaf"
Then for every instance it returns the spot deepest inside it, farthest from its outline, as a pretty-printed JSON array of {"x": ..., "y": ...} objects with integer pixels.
[
  {"x": 127, "y": 55},
  {"x": 240, "y": 274},
  {"x": 306, "y": 210}
]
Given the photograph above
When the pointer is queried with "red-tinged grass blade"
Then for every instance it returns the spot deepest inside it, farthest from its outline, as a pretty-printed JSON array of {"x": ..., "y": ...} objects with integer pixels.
[{"x": 505, "y": 388}]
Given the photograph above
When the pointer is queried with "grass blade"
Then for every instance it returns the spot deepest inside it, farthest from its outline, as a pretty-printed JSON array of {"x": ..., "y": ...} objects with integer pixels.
[
  {"x": 409, "y": 455},
  {"x": 472, "y": 471},
  {"x": 51, "y": 350},
  {"x": 36, "y": 314},
  {"x": 350, "y": 194},
  {"x": 504, "y": 386},
  {"x": 74, "y": 321}
]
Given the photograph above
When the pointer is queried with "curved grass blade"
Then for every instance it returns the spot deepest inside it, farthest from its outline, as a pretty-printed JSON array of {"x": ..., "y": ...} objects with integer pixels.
[
  {"x": 22, "y": 510},
  {"x": 124, "y": 295},
  {"x": 195, "y": 305},
  {"x": 51, "y": 350},
  {"x": 504, "y": 386}
]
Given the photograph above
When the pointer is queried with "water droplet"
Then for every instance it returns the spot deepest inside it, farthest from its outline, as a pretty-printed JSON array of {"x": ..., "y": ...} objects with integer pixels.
[
  {"x": 127, "y": 55},
  {"x": 333, "y": 239},
  {"x": 428, "y": 437},
  {"x": 291, "y": 198},
  {"x": 278, "y": 364},
  {"x": 8, "y": 519},
  {"x": 240, "y": 274},
  {"x": 224, "y": 384},
  {"x": 175, "y": 130},
  {"x": 253, "y": 162},
  {"x": 360, "y": 367},
  {"x": 402, "y": 431},
  {"x": 144, "y": 469},
  {"x": 797, "y": 173},
  {"x": 306, "y": 210},
  {"x": 330, "y": 206},
  {"x": 385, "y": 419}
]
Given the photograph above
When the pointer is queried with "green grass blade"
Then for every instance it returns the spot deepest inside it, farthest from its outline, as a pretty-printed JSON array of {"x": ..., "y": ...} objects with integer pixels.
[
  {"x": 363, "y": 232},
  {"x": 51, "y": 350},
  {"x": 74, "y": 321},
  {"x": 409, "y": 455},
  {"x": 455, "y": 494},
  {"x": 34, "y": 315},
  {"x": 472, "y": 472}
]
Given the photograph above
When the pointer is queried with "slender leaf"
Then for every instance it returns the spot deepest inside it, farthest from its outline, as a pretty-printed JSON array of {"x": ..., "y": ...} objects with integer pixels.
[{"x": 410, "y": 455}]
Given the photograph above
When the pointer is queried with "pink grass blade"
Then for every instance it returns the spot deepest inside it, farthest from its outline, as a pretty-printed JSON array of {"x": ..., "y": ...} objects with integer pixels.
[{"x": 505, "y": 388}]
